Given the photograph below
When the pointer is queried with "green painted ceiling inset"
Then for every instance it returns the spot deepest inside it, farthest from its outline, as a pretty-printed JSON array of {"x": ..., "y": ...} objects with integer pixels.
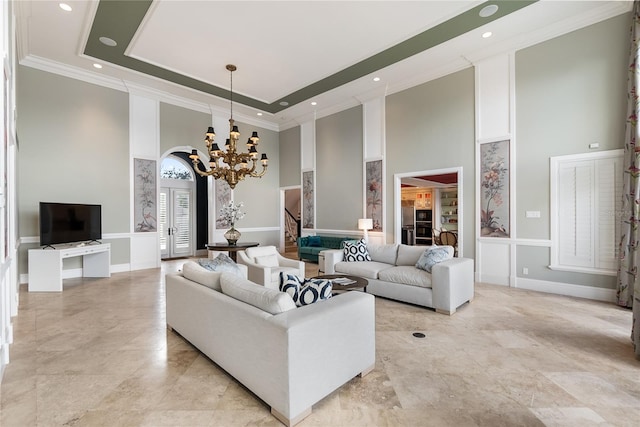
[{"x": 120, "y": 19}]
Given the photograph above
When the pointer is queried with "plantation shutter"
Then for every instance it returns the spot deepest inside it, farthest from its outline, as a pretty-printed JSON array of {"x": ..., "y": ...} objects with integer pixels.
[
  {"x": 589, "y": 197},
  {"x": 576, "y": 209},
  {"x": 182, "y": 221},
  {"x": 608, "y": 204},
  {"x": 162, "y": 221}
]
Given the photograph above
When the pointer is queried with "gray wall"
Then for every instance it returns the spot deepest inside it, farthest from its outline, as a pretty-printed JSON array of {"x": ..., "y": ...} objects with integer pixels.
[
  {"x": 183, "y": 127},
  {"x": 570, "y": 92},
  {"x": 261, "y": 196},
  {"x": 431, "y": 126},
  {"x": 290, "y": 157},
  {"x": 339, "y": 170},
  {"x": 73, "y": 147}
]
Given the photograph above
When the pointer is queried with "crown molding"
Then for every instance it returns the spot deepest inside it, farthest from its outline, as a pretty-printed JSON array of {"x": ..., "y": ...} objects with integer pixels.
[
  {"x": 557, "y": 29},
  {"x": 61, "y": 69}
]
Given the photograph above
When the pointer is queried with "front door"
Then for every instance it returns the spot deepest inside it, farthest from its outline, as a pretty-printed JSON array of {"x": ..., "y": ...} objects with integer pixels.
[{"x": 176, "y": 237}]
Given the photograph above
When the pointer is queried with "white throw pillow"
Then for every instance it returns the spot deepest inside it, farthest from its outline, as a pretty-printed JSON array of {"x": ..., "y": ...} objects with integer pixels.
[
  {"x": 269, "y": 300},
  {"x": 267, "y": 260}
]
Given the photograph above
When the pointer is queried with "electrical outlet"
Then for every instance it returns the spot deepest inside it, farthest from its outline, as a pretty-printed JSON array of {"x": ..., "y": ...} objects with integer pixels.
[{"x": 525, "y": 271}]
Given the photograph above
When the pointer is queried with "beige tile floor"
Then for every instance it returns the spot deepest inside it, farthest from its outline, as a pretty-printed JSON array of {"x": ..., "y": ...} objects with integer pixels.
[{"x": 99, "y": 354}]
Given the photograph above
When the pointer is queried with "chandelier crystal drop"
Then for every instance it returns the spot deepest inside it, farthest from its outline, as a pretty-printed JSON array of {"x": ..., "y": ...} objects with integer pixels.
[{"x": 228, "y": 164}]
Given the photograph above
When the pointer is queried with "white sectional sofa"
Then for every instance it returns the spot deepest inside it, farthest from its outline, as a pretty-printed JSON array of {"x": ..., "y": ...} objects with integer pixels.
[
  {"x": 392, "y": 274},
  {"x": 289, "y": 357}
]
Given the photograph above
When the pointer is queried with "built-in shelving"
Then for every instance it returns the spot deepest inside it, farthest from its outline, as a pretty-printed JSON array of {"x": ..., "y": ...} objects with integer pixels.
[{"x": 449, "y": 209}]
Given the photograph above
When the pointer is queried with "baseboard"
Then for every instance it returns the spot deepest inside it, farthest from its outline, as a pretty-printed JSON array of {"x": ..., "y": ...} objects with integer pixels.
[
  {"x": 567, "y": 289},
  {"x": 493, "y": 279}
]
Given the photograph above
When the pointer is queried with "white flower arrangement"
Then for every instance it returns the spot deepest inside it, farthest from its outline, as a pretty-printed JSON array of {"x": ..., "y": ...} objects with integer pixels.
[{"x": 231, "y": 212}]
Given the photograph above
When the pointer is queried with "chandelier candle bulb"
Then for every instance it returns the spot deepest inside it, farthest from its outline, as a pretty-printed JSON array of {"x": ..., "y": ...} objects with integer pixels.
[{"x": 230, "y": 165}]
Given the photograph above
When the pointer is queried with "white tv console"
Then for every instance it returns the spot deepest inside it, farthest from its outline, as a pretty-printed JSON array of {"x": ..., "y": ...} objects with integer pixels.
[{"x": 45, "y": 265}]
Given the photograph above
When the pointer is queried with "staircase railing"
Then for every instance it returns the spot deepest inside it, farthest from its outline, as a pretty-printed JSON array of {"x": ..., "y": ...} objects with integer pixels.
[{"x": 292, "y": 226}]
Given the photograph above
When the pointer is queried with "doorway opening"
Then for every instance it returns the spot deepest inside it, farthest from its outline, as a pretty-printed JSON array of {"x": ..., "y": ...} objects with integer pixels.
[
  {"x": 427, "y": 204},
  {"x": 290, "y": 224}
]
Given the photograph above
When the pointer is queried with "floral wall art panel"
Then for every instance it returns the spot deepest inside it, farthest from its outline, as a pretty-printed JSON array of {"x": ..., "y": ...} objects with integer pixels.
[
  {"x": 374, "y": 193},
  {"x": 144, "y": 195},
  {"x": 308, "y": 219},
  {"x": 223, "y": 197},
  {"x": 494, "y": 189}
]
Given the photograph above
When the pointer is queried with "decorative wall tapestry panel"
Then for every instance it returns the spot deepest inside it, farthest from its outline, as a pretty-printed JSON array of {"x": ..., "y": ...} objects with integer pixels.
[
  {"x": 223, "y": 197},
  {"x": 494, "y": 189},
  {"x": 308, "y": 220},
  {"x": 374, "y": 193},
  {"x": 144, "y": 195}
]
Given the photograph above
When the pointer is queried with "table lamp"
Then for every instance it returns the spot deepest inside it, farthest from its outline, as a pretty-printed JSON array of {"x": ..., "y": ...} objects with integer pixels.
[{"x": 365, "y": 224}]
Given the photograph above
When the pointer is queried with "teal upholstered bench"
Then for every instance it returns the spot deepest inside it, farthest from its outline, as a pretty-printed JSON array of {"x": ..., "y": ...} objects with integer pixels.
[{"x": 310, "y": 246}]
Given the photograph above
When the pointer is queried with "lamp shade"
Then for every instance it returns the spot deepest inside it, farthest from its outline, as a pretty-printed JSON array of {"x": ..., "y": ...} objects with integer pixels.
[{"x": 365, "y": 224}]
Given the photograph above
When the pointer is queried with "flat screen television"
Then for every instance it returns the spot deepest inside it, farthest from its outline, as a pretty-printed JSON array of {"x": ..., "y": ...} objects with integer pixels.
[{"x": 69, "y": 222}]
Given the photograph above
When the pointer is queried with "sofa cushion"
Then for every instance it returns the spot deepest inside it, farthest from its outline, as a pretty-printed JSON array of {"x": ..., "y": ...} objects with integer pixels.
[
  {"x": 431, "y": 256},
  {"x": 267, "y": 260},
  {"x": 366, "y": 269},
  {"x": 315, "y": 241},
  {"x": 261, "y": 297},
  {"x": 195, "y": 272},
  {"x": 221, "y": 263},
  {"x": 409, "y": 255},
  {"x": 305, "y": 291},
  {"x": 406, "y": 275},
  {"x": 356, "y": 251},
  {"x": 383, "y": 253}
]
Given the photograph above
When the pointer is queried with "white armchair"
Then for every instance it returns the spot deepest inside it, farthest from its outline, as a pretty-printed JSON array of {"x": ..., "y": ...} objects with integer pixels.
[{"x": 264, "y": 265}]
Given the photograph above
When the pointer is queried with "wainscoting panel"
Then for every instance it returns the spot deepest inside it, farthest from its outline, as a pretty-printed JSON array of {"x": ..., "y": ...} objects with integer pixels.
[
  {"x": 494, "y": 260},
  {"x": 145, "y": 251}
]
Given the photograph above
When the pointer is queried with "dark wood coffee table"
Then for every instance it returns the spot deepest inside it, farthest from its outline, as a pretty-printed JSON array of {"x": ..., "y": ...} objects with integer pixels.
[{"x": 358, "y": 282}]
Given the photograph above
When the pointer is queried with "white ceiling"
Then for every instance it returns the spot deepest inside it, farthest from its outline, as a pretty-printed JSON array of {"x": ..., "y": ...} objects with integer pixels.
[{"x": 281, "y": 47}]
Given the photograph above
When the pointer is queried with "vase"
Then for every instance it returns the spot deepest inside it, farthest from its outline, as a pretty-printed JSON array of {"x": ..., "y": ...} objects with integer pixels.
[{"x": 232, "y": 235}]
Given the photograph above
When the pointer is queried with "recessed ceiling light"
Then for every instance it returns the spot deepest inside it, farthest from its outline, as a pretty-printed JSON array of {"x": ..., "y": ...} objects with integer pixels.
[
  {"x": 108, "y": 41},
  {"x": 65, "y": 7},
  {"x": 259, "y": 114},
  {"x": 487, "y": 35},
  {"x": 314, "y": 103},
  {"x": 98, "y": 66},
  {"x": 284, "y": 103},
  {"x": 376, "y": 79},
  {"x": 487, "y": 11}
]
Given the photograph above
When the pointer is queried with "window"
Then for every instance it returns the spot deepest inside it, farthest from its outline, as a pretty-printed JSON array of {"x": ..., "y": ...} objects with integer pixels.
[
  {"x": 173, "y": 168},
  {"x": 586, "y": 195}
]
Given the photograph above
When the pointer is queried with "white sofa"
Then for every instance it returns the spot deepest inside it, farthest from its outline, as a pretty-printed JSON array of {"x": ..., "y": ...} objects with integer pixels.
[
  {"x": 291, "y": 359},
  {"x": 264, "y": 264},
  {"x": 392, "y": 274}
]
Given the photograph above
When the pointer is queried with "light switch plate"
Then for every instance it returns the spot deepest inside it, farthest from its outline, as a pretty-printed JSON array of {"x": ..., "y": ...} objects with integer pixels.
[{"x": 533, "y": 214}]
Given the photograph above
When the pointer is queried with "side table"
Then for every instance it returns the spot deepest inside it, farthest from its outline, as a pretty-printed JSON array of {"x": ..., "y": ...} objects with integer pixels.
[{"x": 232, "y": 249}]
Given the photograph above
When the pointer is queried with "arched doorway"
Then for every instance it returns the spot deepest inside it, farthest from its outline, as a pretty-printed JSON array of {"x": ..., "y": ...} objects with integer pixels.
[{"x": 176, "y": 213}]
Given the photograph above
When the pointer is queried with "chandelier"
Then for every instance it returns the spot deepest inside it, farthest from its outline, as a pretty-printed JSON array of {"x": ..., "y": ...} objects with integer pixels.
[{"x": 230, "y": 165}]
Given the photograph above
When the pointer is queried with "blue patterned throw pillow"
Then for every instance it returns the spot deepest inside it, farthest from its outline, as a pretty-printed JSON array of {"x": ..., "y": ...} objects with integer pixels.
[
  {"x": 431, "y": 257},
  {"x": 356, "y": 251},
  {"x": 305, "y": 291},
  {"x": 220, "y": 263}
]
